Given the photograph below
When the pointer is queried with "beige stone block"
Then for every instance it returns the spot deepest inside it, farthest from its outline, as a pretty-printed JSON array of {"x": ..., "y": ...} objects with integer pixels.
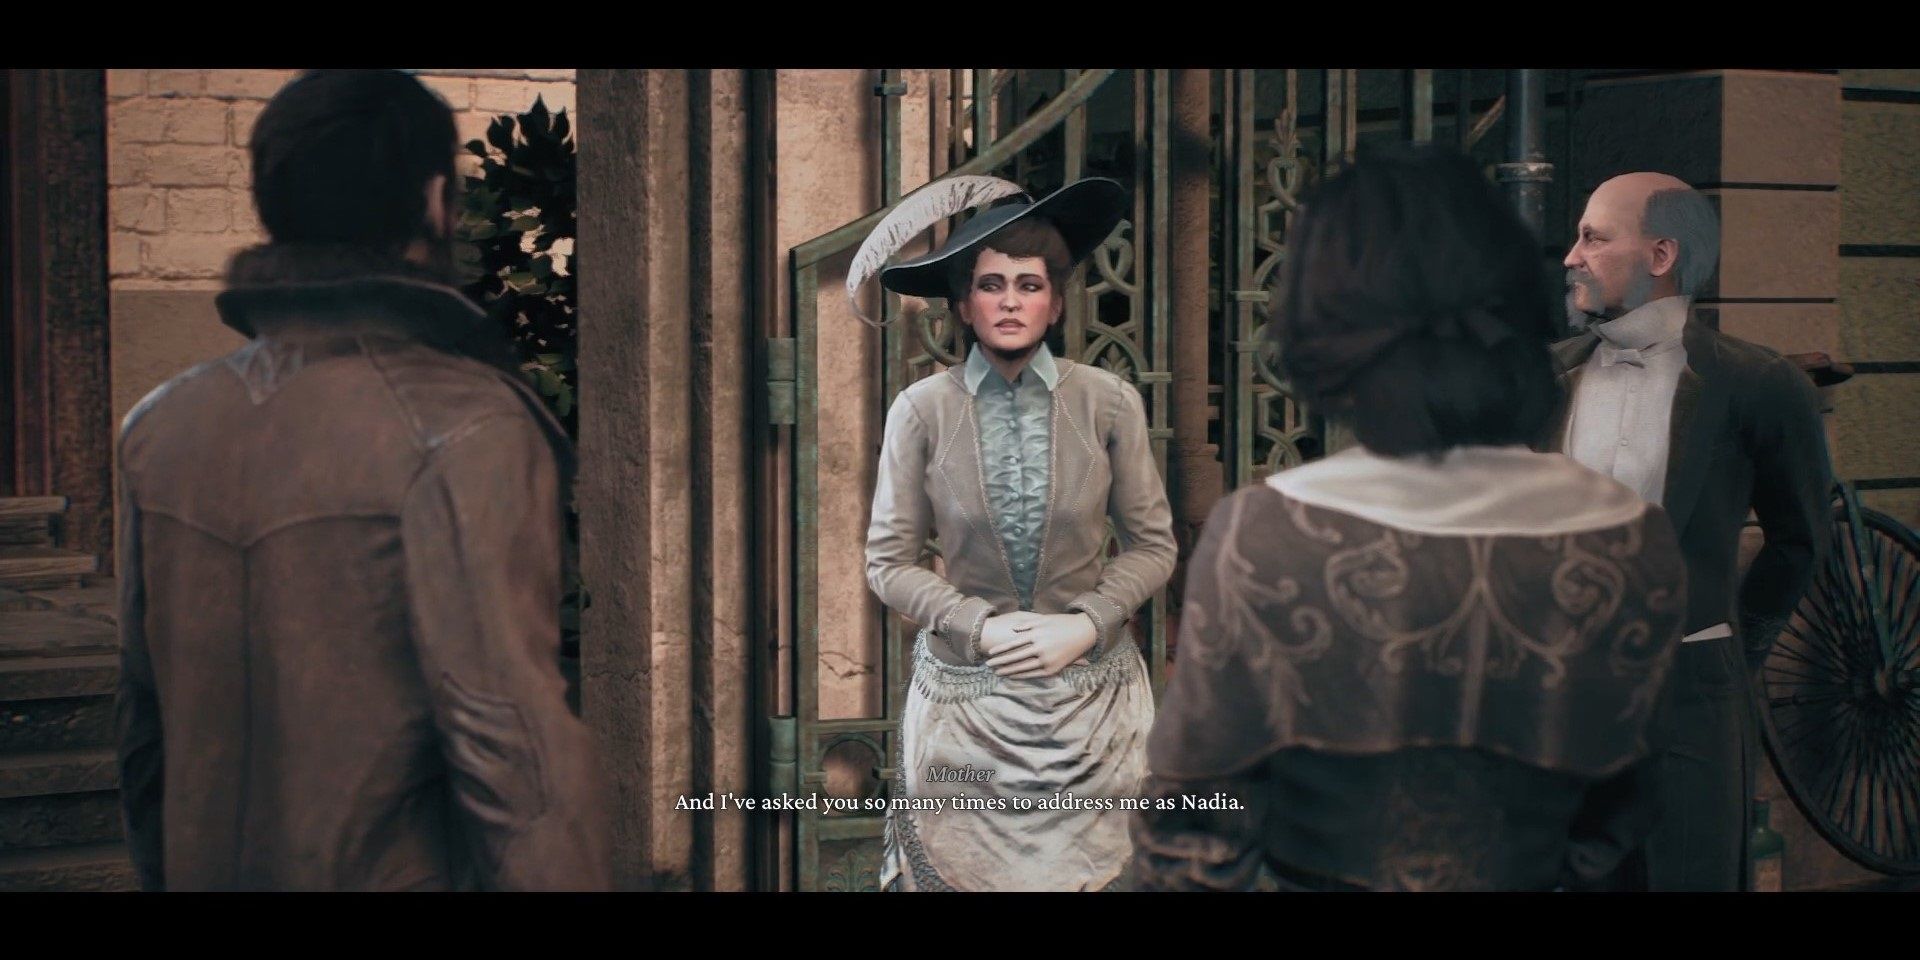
[
  {"x": 246, "y": 84},
  {"x": 566, "y": 75},
  {"x": 163, "y": 120},
  {"x": 1908, "y": 80},
  {"x": 176, "y": 83},
  {"x": 190, "y": 255},
  {"x": 472, "y": 125},
  {"x": 139, "y": 121},
  {"x": 1880, "y": 173},
  {"x": 127, "y": 163},
  {"x": 823, "y": 119},
  {"x": 1880, "y": 308},
  {"x": 1779, "y": 127},
  {"x": 200, "y": 211},
  {"x": 137, "y": 208},
  {"x": 123, "y": 254},
  {"x": 197, "y": 121},
  {"x": 915, "y": 129},
  {"x": 245, "y": 115},
  {"x": 1875, "y": 433},
  {"x": 246, "y": 219},
  {"x": 173, "y": 165},
  {"x": 502, "y": 96},
  {"x": 827, "y": 175},
  {"x": 1783, "y": 327},
  {"x": 849, "y": 436},
  {"x": 1778, "y": 243},
  {"x": 126, "y": 83},
  {"x": 557, "y": 96},
  {"x": 1902, "y": 505},
  {"x": 517, "y": 96},
  {"x": 457, "y": 91}
]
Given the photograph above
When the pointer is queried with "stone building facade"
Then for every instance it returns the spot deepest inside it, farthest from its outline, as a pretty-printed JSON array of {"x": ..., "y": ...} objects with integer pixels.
[{"x": 697, "y": 189}]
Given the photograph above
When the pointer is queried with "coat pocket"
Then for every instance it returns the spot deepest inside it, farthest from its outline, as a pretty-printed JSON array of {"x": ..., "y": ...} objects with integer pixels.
[{"x": 497, "y": 774}]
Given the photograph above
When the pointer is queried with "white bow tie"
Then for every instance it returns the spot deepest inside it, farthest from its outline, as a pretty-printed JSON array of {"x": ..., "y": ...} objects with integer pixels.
[{"x": 1610, "y": 355}]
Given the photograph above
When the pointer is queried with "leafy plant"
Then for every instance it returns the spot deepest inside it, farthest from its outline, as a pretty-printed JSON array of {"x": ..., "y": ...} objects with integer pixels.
[
  {"x": 518, "y": 218},
  {"x": 519, "y": 222}
]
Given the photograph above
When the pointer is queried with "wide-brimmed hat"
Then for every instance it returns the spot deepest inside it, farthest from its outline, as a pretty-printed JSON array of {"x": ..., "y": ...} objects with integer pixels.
[{"x": 1085, "y": 212}]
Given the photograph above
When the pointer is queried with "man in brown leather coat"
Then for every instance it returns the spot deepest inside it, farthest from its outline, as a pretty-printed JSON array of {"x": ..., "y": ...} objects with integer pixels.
[{"x": 340, "y": 551}]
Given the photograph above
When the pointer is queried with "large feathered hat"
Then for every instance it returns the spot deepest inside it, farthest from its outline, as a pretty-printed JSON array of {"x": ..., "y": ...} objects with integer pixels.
[{"x": 1085, "y": 212}]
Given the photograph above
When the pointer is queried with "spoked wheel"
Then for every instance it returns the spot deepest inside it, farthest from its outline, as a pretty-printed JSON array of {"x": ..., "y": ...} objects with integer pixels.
[{"x": 1841, "y": 715}]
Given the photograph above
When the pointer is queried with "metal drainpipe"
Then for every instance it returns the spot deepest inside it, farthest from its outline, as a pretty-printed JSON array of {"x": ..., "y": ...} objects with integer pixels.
[{"x": 1527, "y": 172}]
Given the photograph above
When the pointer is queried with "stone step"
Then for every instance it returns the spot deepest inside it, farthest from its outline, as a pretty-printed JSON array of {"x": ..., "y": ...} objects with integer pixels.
[
  {"x": 29, "y": 521},
  {"x": 26, "y": 531},
  {"x": 55, "y": 772},
  {"x": 49, "y": 678},
  {"x": 61, "y": 723},
  {"x": 11, "y": 600},
  {"x": 13, "y": 508},
  {"x": 39, "y": 566},
  {"x": 63, "y": 820},
  {"x": 49, "y": 633},
  {"x": 94, "y": 867},
  {"x": 98, "y": 600}
]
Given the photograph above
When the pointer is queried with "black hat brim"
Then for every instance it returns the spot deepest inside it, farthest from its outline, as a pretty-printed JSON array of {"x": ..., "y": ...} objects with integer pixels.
[{"x": 1085, "y": 212}]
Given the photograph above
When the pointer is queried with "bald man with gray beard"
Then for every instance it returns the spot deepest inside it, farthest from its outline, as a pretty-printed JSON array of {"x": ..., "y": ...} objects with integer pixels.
[{"x": 1708, "y": 427}]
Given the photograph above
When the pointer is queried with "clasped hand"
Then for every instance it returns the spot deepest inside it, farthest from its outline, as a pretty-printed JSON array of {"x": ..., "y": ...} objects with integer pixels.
[{"x": 1027, "y": 645}]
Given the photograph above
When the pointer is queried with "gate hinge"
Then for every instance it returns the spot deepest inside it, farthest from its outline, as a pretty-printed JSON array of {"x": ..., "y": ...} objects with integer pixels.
[
  {"x": 783, "y": 756},
  {"x": 782, "y": 398}
]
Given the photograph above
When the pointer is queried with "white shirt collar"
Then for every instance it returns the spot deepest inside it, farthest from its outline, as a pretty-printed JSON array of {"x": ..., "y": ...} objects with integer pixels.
[
  {"x": 1470, "y": 491},
  {"x": 1648, "y": 325},
  {"x": 1041, "y": 363}
]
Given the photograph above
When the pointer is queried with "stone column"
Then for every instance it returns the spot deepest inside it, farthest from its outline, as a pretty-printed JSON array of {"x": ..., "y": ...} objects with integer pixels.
[
  {"x": 55, "y": 405},
  {"x": 1197, "y": 480},
  {"x": 667, "y": 295}
]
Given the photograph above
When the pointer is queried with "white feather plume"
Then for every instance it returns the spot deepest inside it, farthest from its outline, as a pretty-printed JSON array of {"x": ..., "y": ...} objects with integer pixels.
[{"x": 930, "y": 204}]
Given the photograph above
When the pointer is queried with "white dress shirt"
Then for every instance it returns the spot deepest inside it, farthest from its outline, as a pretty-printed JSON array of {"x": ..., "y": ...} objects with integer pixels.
[
  {"x": 1622, "y": 419},
  {"x": 1623, "y": 410}
]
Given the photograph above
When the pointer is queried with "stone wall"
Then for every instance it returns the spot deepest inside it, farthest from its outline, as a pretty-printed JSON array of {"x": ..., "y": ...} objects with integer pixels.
[{"x": 179, "y": 202}]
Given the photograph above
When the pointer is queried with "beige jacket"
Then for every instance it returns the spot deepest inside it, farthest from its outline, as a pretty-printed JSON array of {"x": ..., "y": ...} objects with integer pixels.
[{"x": 931, "y": 483}]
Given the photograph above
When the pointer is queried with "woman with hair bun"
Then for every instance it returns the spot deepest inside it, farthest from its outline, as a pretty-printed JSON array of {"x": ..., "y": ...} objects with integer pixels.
[{"x": 1426, "y": 662}]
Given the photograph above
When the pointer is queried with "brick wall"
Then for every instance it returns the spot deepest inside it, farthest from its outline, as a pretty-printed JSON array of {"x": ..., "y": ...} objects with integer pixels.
[
  {"x": 179, "y": 204},
  {"x": 177, "y": 159}
]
